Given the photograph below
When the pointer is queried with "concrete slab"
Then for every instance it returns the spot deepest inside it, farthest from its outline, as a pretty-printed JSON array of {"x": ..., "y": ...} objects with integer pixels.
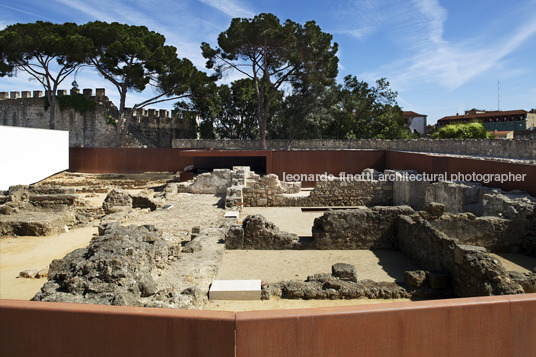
[
  {"x": 231, "y": 214},
  {"x": 235, "y": 290}
]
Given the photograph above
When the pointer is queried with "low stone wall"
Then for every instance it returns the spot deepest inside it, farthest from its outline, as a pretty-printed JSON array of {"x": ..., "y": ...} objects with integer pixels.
[
  {"x": 512, "y": 149},
  {"x": 496, "y": 234},
  {"x": 371, "y": 228},
  {"x": 269, "y": 191},
  {"x": 366, "y": 228},
  {"x": 473, "y": 271}
]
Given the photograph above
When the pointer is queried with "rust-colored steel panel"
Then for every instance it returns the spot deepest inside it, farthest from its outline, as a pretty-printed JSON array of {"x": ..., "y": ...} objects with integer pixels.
[
  {"x": 523, "y": 325},
  {"x": 55, "y": 329},
  {"x": 435, "y": 164},
  {"x": 457, "y": 327},
  {"x": 125, "y": 160}
]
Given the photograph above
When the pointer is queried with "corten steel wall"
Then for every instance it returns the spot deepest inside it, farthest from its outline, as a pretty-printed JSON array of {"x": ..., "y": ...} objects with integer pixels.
[
  {"x": 126, "y": 160},
  {"x": 110, "y": 160},
  {"x": 58, "y": 329},
  {"x": 329, "y": 161},
  {"x": 484, "y": 326},
  {"x": 435, "y": 164},
  {"x": 489, "y": 326}
]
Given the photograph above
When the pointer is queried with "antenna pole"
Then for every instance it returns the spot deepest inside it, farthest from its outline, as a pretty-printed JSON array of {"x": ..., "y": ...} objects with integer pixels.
[{"x": 498, "y": 96}]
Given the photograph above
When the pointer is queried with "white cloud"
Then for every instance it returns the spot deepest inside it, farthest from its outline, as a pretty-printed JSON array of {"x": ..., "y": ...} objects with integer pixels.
[
  {"x": 89, "y": 9},
  {"x": 433, "y": 59},
  {"x": 229, "y": 7},
  {"x": 23, "y": 11}
]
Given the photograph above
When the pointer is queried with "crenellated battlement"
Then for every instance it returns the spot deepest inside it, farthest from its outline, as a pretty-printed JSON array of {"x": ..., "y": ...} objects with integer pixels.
[{"x": 88, "y": 92}]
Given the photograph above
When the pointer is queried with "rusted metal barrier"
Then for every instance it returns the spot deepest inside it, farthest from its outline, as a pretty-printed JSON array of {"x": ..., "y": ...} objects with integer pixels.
[
  {"x": 483, "y": 326},
  {"x": 29, "y": 328}
]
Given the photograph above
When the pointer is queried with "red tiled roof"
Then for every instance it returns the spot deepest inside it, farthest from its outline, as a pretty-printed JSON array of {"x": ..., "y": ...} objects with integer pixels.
[
  {"x": 412, "y": 114},
  {"x": 484, "y": 115}
]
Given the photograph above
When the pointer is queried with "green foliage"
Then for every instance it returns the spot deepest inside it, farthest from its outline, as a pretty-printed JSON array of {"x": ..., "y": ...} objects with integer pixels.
[
  {"x": 229, "y": 112},
  {"x": 354, "y": 110},
  {"x": 474, "y": 130},
  {"x": 271, "y": 54},
  {"x": 111, "y": 121},
  {"x": 78, "y": 102},
  {"x": 48, "y": 52},
  {"x": 133, "y": 58}
]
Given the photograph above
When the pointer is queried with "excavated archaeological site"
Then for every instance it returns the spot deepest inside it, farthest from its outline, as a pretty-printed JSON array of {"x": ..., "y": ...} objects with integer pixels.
[{"x": 151, "y": 240}]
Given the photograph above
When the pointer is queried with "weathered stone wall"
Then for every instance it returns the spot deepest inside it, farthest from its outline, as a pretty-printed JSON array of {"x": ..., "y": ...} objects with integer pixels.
[
  {"x": 151, "y": 128},
  {"x": 257, "y": 233},
  {"x": 474, "y": 272},
  {"x": 269, "y": 191},
  {"x": 370, "y": 228},
  {"x": 513, "y": 149},
  {"x": 493, "y": 233}
]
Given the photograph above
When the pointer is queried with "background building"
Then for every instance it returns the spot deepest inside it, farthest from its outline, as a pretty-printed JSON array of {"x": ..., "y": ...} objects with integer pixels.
[
  {"x": 500, "y": 121},
  {"x": 415, "y": 121}
]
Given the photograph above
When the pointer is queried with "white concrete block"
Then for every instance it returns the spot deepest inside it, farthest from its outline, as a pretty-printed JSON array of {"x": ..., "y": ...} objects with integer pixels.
[
  {"x": 235, "y": 290},
  {"x": 231, "y": 214}
]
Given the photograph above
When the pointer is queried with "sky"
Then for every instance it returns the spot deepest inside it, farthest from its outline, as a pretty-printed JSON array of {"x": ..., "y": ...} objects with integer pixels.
[{"x": 442, "y": 57}]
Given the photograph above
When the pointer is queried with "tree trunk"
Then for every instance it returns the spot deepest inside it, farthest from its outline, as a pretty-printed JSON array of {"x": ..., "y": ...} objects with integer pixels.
[
  {"x": 261, "y": 119},
  {"x": 262, "y": 133},
  {"x": 120, "y": 120},
  {"x": 52, "y": 109}
]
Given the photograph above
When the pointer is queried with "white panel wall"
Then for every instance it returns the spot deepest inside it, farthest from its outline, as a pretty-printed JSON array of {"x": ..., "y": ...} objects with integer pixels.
[{"x": 29, "y": 155}]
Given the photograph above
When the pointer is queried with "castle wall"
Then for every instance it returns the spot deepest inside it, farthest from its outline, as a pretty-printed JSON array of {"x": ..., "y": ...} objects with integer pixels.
[
  {"x": 509, "y": 149},
  {"x": 148, "y": 128}
]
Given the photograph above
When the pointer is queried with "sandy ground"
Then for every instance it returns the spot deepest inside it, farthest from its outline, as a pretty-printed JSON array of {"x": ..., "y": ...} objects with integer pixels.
[
  {"x": 35, "y": 253},
  {"x": 517, "y": 262},
  {"x": 277, "y": 265},
  {"x": 273, "y": 304},
  {"x": 288, "y": 219}
]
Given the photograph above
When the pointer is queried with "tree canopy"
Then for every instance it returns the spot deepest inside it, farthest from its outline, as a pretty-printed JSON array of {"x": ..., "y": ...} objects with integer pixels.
[
  {"x": 46, "y": 51},
  {"x": 474, "y": 130},
  {"x": 133, "y": 58},
  {"x": 272, "y": 54}
]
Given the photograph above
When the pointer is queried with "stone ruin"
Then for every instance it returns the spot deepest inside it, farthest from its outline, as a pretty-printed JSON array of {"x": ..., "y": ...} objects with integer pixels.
[
  {"x": 42, "y": 210},
  {"x": 448, "y": 229}
]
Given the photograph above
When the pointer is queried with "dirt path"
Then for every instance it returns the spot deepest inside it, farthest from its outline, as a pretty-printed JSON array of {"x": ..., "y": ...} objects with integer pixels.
[
  {"x": 278, "y": 265},
  {"x": 273, "y": 304},
  {"x": 34, "y": 253}
]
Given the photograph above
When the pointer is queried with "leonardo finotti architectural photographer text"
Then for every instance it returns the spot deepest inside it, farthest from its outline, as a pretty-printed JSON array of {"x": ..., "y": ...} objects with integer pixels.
[{"x": 406, "y": 176}]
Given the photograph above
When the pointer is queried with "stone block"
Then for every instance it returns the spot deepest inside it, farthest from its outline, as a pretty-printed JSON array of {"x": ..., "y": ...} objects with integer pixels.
[
  {"x": 235, "y": 290},
  {"x": 435, "y": 209},
  {"x": 29, "y": 274},
  {"x": 344, "y": 271},
  {"x": 415, "y": 278}
]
